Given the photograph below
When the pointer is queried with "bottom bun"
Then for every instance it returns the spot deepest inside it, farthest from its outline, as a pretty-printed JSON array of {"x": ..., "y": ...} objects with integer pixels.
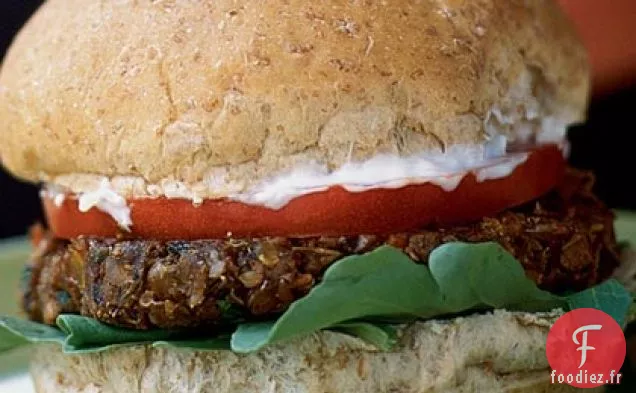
[{"x": 495, "y": 352}]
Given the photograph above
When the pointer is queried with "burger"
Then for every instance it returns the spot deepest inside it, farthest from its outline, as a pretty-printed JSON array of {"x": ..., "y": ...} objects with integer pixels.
[{"x": 292, "y": 196}]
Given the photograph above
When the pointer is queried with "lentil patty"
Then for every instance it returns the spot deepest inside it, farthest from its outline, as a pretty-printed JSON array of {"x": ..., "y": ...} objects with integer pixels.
[{"x": 564, "y": 240}]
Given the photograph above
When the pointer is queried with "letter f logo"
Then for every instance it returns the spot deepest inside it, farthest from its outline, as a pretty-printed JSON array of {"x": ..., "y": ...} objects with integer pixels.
[{"x": 583, "y": 344}]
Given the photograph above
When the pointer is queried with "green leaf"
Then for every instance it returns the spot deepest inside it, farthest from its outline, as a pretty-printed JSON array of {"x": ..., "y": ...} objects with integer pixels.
[
  {"x": 85, "y": 334},
  {"x": 222, "y": 342},
  {"x": 476, "y": 275},
  {"x": 358, "y": 295},
  {"x": 15, "y": 332},
  {"x": 251, "y": 335},
  {"x": 386, "y": 283},
  {"x": 610, "y": 297},
  {"x": 382, "y": 283},
  {"x": 381, "y": 336}
]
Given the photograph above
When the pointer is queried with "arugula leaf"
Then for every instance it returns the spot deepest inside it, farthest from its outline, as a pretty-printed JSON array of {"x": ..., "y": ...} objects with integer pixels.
[
  {"x": 386, "y": 283},
  {"x": 476, "y": 275},
  {"x": 610, "y": 297},
  {"x": 15, "y": 332},
  {"x": 251, "y": 335},
  {"x": 85, "y": 334},
  {"x": 221, "y": 342},
  {"x": 358, "y": 295},
  {"x": 381, "y": 336}
]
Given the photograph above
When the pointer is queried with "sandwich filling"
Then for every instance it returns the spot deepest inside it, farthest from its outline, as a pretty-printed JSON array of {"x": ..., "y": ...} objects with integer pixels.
[
  {"x": 564, "y": 241},
  {"x": 347, "y": 203}
]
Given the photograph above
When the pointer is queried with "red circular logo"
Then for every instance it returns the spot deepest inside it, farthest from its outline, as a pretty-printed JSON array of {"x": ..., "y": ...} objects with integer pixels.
[{"x": 586, "y": 349}]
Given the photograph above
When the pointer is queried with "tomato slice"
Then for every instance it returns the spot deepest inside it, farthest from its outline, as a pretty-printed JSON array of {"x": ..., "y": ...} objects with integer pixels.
[{"x": 332, "y": 212}]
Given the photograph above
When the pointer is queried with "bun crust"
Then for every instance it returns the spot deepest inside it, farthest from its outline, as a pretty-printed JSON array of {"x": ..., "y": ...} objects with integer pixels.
[
  {"x": 183, "y": 89},
  {"x": 460, "y": 355}
]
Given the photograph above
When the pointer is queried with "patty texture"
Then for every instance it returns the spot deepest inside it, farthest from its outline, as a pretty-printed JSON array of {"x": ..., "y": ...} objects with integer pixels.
[{"x": 564, "y": 240}]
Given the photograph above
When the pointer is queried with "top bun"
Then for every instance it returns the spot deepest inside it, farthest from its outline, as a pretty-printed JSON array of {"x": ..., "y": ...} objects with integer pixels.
[{"x": 182, "y": 89}]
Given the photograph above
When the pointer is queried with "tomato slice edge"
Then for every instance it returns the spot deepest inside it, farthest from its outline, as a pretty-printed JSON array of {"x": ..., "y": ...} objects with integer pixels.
[{"x": 332, "y": 212}]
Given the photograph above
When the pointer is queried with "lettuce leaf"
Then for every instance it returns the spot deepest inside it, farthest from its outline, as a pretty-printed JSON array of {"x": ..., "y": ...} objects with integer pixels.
[{"x": 360, "y": 295}]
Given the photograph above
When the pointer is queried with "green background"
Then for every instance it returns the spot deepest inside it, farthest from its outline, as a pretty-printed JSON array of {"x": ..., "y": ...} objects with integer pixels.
[{"x": 13, "y": 254}]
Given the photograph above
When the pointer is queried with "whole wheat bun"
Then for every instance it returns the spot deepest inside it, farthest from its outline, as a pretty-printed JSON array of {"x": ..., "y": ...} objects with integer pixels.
[
  {"x": 459, "y": 355},
  {"x": 182, "y": 90}
]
